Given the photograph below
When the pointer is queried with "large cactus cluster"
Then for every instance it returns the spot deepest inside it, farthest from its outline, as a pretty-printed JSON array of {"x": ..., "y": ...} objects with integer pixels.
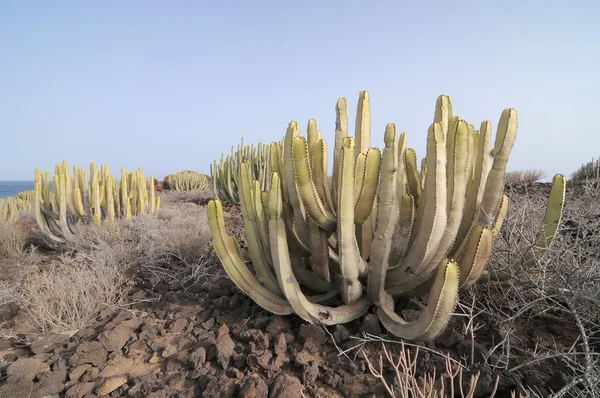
[
  {"x": 382, "y": 228},
  {"x": 588, "y": 171},
  {"x": 93, "y": 197},
  {"x": 185, "y": 181},
  {"x": 11, "y": 207},
  {"x": 225, "y": 174}
]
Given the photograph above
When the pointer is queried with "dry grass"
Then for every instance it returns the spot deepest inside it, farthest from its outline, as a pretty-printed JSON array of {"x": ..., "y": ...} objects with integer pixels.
[
  {"x": 71, "y": 292},
  {"x": 523, "y": 177},
  {"x": 95, "y": 272},
  {"x": 172, "y": 246},
  {"x": 12, "y": 240}
]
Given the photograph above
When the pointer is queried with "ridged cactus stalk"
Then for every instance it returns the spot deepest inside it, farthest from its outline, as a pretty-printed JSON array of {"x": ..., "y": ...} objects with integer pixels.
[
  {"x": 185, "y": 181},
  {"x": 225, "y": 174},
  {"x": 93, "y": 197},
  {"x": 11, "y": 207},
  {"x": 384, "y": 228}
]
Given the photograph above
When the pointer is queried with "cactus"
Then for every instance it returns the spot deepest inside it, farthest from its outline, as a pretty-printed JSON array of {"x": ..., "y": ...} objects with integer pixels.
[
  {"x": 225, "y": 174},
  {"x": 383, "y": 228},
  {"x": 78, "y": 199},
  {"x": 185, "y": 181},
  {"x": 588, "y": 171},
  {"x": 11, "y": 207}
]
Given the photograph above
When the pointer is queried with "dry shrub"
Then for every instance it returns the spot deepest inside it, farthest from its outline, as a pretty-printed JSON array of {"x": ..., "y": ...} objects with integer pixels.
[
  {"x": 563, "y": 286},
  {"x": 72, "y": 292},
  {"x": 523, "y": 177},
  {"x": 197, "y": 197},
  {"x": 12, "y": 240},
  {"x": 406, "y": 383},
  {"x": 169, "y": 246},
  {"x": 175, "y": 242}
]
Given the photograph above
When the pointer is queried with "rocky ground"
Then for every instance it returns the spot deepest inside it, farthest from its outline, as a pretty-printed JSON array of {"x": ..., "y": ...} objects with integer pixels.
[{"x": 208, "y": 339}]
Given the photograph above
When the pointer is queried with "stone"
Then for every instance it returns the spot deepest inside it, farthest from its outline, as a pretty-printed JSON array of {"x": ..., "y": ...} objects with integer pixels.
[
  {"x": 89, "y": 352},
  {"x": 26, "y": 368},
  {"x": 111, "y": 385}
]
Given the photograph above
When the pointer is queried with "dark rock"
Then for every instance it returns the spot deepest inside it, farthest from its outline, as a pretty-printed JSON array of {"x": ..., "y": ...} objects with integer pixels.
[
  {"x": 254, "y": 386},
  {"x": 26, "y": 368},
  {"x": 224, "y": 347},
  {"x": 371, "y": 325},
  {"x": 49, "y": 343},
  {"x": 314, "y": 332},
  {"x": 285, "y": 386},
  {"x": 89, "y": 352}
]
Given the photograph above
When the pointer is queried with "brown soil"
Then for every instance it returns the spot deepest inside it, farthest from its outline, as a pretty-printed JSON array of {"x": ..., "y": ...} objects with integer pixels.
[{"x": 211, "y": 340}]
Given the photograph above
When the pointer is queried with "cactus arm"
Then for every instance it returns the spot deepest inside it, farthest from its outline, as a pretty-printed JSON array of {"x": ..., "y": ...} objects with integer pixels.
[
  {"x": 313, "y": 204},
  {"x": 403, "y": 230},
  {"x": 252, "y": 229},
  {"x": 443, "y": 112},
  {"x": 366, "y": 179},
  {"x": 262, "y": 220},
  {"x": 387, "y": 214},
  {"x": 457, "y": 185},
  {"x": 500, "y": 216},
  {"x": 505, "y": 139},
  {"x": 228, "y": 253},
  {"x": 363, "y": 124},
  {"x": 554, "y": 211},
  {"x": 440, "y": 305},
  {"x": 302, "y": 306},
  {"x": 320, "y": 250},
  {"x": 350, "y": 260},
  {"x": 431, "y": 219},
  {"x": 475, "y": 256},
  {"x": 290, "y": 187},
  {"x": 341, "y": 131},
  {"x": 319, "y": 167},
  {"x": 50, "y": 237},
  {"x": 307, "y": 278},
  {"x": 482, "y": 164},
  {"x": 412, "y": 174}
]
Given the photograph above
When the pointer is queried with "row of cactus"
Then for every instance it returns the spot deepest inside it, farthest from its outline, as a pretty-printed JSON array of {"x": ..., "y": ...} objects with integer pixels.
[
  {"x": 225, "y": 174},
  {"x": 11, "y": 207},
  {"x": 93, "y": 197},
  {"x": 588, "y": 171},
  {"x": 185, "y": 181},
  {"x": 382, "y": 229}
]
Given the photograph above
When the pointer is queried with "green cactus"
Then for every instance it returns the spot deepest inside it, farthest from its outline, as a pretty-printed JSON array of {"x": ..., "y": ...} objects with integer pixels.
[
  {"x": 185, "y": 181},
  {"x": 382, "y": 228},
  {"x": 78, "y": 199}
]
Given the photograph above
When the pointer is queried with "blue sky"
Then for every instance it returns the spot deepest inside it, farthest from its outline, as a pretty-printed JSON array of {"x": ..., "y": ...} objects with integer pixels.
[{"x": 168, "y": 86}]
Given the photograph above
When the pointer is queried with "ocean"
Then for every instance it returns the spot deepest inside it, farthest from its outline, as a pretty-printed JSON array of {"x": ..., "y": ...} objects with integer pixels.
[{"x": 11, "y": 188}]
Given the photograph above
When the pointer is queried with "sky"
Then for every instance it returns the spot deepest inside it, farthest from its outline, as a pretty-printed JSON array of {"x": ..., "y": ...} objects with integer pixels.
[{"x": 170, "y": 86}]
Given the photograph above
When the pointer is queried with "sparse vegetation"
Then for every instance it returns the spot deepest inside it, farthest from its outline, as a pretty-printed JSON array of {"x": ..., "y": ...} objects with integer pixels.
[
  {"x": 523, "y": 177},
  {"x": 12, "y": 240},
  {"x": 588, "y": 171}
]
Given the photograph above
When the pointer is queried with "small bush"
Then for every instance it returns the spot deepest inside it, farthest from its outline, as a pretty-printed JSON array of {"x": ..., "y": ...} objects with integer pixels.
[
  {"x": 12, "y": 240},
  {"x": 523, "y": 177},
  {"x": 73, "y": 291}
]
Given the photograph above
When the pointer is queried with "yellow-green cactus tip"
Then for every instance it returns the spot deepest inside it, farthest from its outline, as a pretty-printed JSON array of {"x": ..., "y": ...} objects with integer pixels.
[{"x": 390, "y": 135}]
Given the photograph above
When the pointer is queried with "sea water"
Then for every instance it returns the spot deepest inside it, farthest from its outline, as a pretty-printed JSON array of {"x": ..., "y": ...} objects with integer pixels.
[{"x": 11, "y": 188}]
